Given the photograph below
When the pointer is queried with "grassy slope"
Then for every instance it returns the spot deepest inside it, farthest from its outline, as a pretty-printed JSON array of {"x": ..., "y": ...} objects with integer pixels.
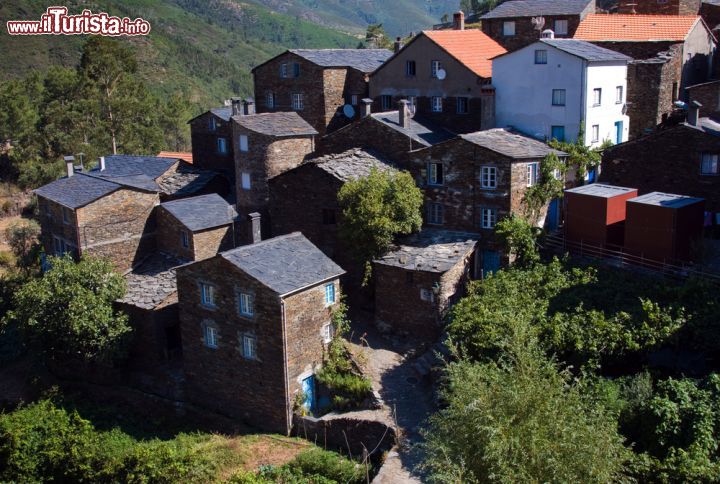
[{"x": 202, "y": 48}]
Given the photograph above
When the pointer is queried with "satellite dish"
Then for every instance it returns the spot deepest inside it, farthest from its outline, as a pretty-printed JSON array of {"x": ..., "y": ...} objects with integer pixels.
[
  {"x": 441, "y": 74},
  {"x": 348, "y": 111}
]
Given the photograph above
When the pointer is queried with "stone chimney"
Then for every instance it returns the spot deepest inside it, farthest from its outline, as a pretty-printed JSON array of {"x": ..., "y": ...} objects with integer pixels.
[
  {"x": 547, "y": 34},
  {"x": 236, "y": 109},
  {"x": 248, "y": 106},
  {"x": 102, "y": 163},
  {"x": 366, "y": 107},
  {"x": 693, "y": 116},
  {"x": 459, "y": 20},
  {"x": 255, "y": 232},
  {"x": 70, "y": 165},
  {"x": 398, "y": 44},
  {"x": 403, "y": 112}
]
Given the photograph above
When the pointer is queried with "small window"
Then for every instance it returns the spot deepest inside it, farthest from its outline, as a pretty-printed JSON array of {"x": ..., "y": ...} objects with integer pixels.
[
  {"x": 66, "y": 215},
  {"x": 427, "y": 295},
  {"x": 296, "y": 70},
  {"x": 532, "y": 173},
  {"x": 561, "y": 27},
  {"x": 222, "y": 145},
  {"x": 489, "y": 218},
  {"x": 297, "y": 101},
  {"x": 435, "y": 174},
  {"x": 619, "y": 95},
  {"x": 462, "y": 105},
  {"x": 283, "y": 71},
  {"x": 508, "y": 28},
  {"x": 329, "y": 294},
  {"x": 436, "y": 214},
  {"x": 212, "y": 124},
  {"x": 435, "y": 66},
  {"x": 437, "y": 103},
  {"x": 597, "y": 96},
  {"x": 245, "y": 304},
  {"x": 409, "y": 278},
  {"x": 488, "y": 177},
  {"x": 249, "y": 344},
  {"x": 243, "y": 143},
  {"x": 270, "y": 100},
  {"x": 675, "y": 93},
  {"x": 557, "y": 132},
  {"x": 327, "y": 332},
  {"x": 328, "y": 216},
  {"x": 207, "y": 295},
  {"x": 709, "y": 164},
  {"x": 595, "y": 133},
  {"x": 354, "y": 99},
  {"x": 386, "y": 102},
  {"x": 211, "y": 337},
  {"x": 185, "y": 239},
  {"x": 410, "y": 68},
  {"x": 558, "y": 97},
  {"x": 540, "y": 57},
  {"x": 48, "y": 208},
  {"x": 245, "y": 181}
]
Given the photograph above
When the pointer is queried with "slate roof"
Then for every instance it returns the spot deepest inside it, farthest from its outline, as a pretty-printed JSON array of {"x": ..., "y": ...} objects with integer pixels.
[
  {"x": 665, "y": 200},
  {"x": 638, "y": 28},
  {"x": 509, "y": 143},
  {"x": 431, "y": 250},
  {"x": 276, "y": 124},
  {"x": 600, "y": 190},
  {"x": 134, "y": 171},
  {"x": 364, "y": 60},
  {"x": 470, "y": 47},
  {"x": 152, "y": 282},
  {"x": 224, "y": 113},
  {"x": 284, "y": 264},
  {"x": 424, "y": 132},
  {"x": 185, "y": 180},
  {"x": 77, "y": 190},
  {"x": 586, "y": 50},
  {"x": 202, "y": 212},
  {"x": 537, "y": 8},
  {"x": 351, "y": 164}
]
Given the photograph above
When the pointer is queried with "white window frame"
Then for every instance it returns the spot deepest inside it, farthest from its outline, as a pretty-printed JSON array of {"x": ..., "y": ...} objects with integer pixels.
[
  {"x": 619, "y": 95},
  {"x": 508, "y": 28},
  {"x": 245, "y": 181},
  {"x": 559, "y": 97},
  {"x": 327, "y": 332},
  {"x": 595, "y": 133},
  {"x": 540, "y": 57},
  {"x": 435, "y": 66},
  {"x": 330, "y": 296},
  {"x": 436, "y": 214},
  {"x": 533, "y": 173},
  {"x": 354, "y": 99},
  {"x": 270, "y": 100},
  {"x": 427, "y": 295},
  {"x": 597, "y": 96},
  {"x": 210, "y": 334},
  {"x": 298, "y": 103},
  {"x": 462, "y": 102},
  {"x": 245, "y": 304},
  {"x": 185, "y": 239},
  {"x": 488, "y": 217},
  {"x": 243, "y": 143},
  {"x": 709, "y": 164},
  {"x": 207, "y": 295},
  {"x": 436, "y": 176},
  {"x": 488, "y": 177},
  {"x": 437, "y": 104},
  {"x": 222, "y": 146},
  {"x": 249, "y": 347},
  {"x": 557, "y": 29},
  {"x": 408, "y": 68}
]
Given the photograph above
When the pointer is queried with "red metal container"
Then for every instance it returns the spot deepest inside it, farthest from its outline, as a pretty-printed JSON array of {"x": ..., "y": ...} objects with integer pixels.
[{"x": 595, "y": 214}]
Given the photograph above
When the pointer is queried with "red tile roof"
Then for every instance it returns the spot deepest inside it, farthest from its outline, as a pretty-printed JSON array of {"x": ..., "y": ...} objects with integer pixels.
[
  {"x": 471, "y": 47},
  {"x": 638, "y": 28},
  {"x": 176, "y": 154}
]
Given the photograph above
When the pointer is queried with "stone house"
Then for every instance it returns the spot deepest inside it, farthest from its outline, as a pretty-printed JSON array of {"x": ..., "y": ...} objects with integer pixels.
[
  {"x": 211, "y": 139},
  {"x": 708, "y": 95},
  {"x": 681, "y": 159},
  {"x": 266, "y": 145},
  {"x": 710, "y": 12},
  {"x": 255, "y": 324},
  {"x": 476, "y": 179},
  {"x": 324, "y": 86},
  {"x": 658, "y": 7},
  {"x": 519, "y": 23},
  {"x": 566, "y": 84},
  {"x": 446, "y": 77},
  {"x": 420, "y": 278}
]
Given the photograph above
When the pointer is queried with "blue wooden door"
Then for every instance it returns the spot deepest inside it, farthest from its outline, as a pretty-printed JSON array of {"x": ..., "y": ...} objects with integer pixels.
[
  {"x": 490, "y": 261},
  {"x": 308, "y": 388},
  {"x": 553, "y": 216},
  {"x": 558, "y": 133},
  {"x": 618, "y": 132}
]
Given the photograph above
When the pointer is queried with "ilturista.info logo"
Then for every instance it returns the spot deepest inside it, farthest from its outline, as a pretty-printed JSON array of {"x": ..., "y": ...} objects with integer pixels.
[{"x": 56, "y": 21}]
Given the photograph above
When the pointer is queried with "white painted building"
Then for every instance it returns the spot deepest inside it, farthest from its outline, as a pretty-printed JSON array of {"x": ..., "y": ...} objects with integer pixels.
[{"x": 549, "y": 88}]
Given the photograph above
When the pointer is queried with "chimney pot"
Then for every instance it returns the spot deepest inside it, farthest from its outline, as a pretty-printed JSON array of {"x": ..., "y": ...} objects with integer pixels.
[
  {"x": 547, "y": 34},
  {"x": 236, "y": 110},
  {"x": 248, "y": 106},
  {"x": 693, "y": 117},
  {"x": 403, "y": 112},
  {"x": 255, "y": 231},
  {"x": 366, "y": 107},
  {"x": 70, "y": 165},
  {"x": 459, "y": 20},
  {"x": 398, "y": 44}
]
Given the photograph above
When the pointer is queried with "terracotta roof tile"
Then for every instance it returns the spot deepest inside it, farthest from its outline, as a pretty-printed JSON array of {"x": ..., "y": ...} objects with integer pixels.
[
  {"x": 471, "y": 47},
  {"x": 639, "y": 28},
  {"x": 180, "y": 155}
]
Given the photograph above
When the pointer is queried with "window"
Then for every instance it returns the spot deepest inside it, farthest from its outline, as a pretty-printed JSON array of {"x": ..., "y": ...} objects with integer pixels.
[
  {"x": 245, "y": 304},
  {"x": 211, "y": 337},
  {"x": 489, "y": 217},
  {"x": 66, "y": 215},
  {"x": 328, "y": 216},
  {"x": 386, "y": 102},
  {"x": 437, "y": 104},
  {"x": 435, "y": 174},
  {"x": 354, "y": 99},
  {"x": 222, "y": 145},
  {"x": 245, "y": 181},
  {"x": 410, "y": 68},
  {"x": 409, "y": 278},
  {"x": 508, "y": 28},
  {"x": 427, "y": 295},
  {"x": 62, "y": 247},
  {"x": 435, "y": 66},
  {"x": 48, "y": 208},
  {"x": 595, "y": 133},
  {"x": 532, "y": 173},
  {"x": 283, "y": 71},
  {"x": 436, "y": 212},
  {"x": 327, "y": 332},
  {"x": 329, "y": 294},
  {"x": 297, "y": 101},
  {"x": 597, "y": 96},
  {"x": 185, "y": 239},
  {"x": 207, "y": 295},
  {"x": 558, "y": 97},
  {"x": 488, "y": 177},
  {"x": 709, "y": 164},
  {"x": 212, "y": 124},
  {"x": 249, "y": 345},
  {"x": 561, "y": 27},
  {"x": 619, "y": 95},
  {"x": 557, "y": 132},
  {"x": 296, "y": 70},
  {"x": 462, "y": 105},
  {"x": 270, "y": 100},
  {"x": 243, "y": 142},
  {"x": 540, "y": 57},
  {"x": 675, "y": 93}
]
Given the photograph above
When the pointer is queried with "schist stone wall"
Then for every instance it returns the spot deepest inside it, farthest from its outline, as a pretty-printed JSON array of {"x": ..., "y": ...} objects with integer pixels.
[
  {"x": 525, "y": 32},
  {"x": 707, "y": 94},
  {"x": 202, "y": 244},
  {"x": 52, "y": 224},
  {"x": 342, "y": 85},
  {"x": 154, "y": 333},
  {"x": 660, "y": 7},
  {"x": 205, "y": 145}
]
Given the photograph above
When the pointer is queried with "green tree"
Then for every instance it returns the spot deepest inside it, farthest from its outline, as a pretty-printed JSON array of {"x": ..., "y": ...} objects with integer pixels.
[
  {"x": 376, "y": 209},
  {"x": 68, "y": 313},
  {"x": 377, "y": 38},
  {"x": 580, "y": 157},
  {"x": 22, "y": 239},
  {"x": 549, "y": 186},
  {"x": 478, "y": 6},
  {"x": 519, "y": 239}
]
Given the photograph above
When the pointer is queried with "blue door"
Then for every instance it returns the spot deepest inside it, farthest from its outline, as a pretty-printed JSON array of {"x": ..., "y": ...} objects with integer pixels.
[
  {"x": 553, "y": 216},
  {"x": 592, "y": 174},
  {"x": 490, "y": 261},
  {"x": 558, "y": 133},
  {"x": 308, "y": 388},
  {"x": 618, "y": 132}
]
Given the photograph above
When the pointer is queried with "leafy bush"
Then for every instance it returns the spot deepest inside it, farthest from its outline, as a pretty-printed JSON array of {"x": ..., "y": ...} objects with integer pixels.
[
  {"x": 339, "y": 376},
  {"x": 329, "y": 465}
]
